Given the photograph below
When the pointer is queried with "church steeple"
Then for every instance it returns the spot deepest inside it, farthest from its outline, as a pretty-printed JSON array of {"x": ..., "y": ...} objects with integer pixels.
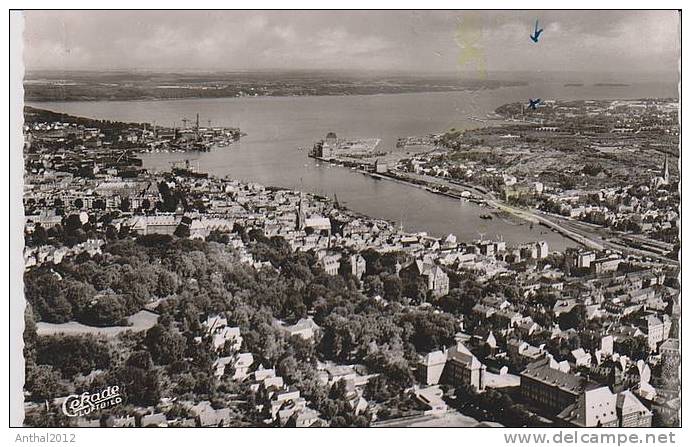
[
  {"x": 665, "y": 170},
  {"x": 300, "y": 218}
]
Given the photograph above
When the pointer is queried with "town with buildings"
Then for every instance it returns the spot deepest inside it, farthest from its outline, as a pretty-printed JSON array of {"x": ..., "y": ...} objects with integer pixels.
[
  {"x": 601, "y": 172},
  {"x": 215, "y": 302},
  {"x": 103, "y": 138}
]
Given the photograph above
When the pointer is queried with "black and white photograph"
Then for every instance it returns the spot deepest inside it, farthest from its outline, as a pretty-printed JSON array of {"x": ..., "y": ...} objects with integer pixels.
[{"x": 347, "y": 218}]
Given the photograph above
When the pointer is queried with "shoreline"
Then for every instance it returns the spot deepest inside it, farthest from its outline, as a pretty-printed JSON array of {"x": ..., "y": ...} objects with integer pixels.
[
  {"x": 496, "y": 205},
  {"x": 525, "y": 215},
  {"x": 532, "y": 216}
]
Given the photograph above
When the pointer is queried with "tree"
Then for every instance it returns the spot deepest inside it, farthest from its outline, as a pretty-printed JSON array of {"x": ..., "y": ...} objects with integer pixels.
[
  {"x": 136, "y": 286},
  {"x": 79, "y": 295},
  {"x": 392, "y": 288},
  {"x": 634, "y": 347},
  {"x": 140, "y": 359},
  {"x": 45, "y": 293},
  {"x": 30, "y": 334},
  {"x": 456, "y": 302},
  {"x": 43, "y": 382},
  {"x": 161, "y": 241},
  {"x": 373, "y": 285},
  {"x": 303, "y": 349},
  {"x": 167, "y": 284},
  {"x": 377, "y": 389},
  {"x": 415, "y": 288},
  {"x": 39, "y": 236},
  {"x": 170, "y": 198},
  {"x": 288, "y": 369},
  {"x": 393, "y": 367},
  {"x": 72, "y": 224},
  {"x": 182, "y": 231},
  {"x": 44, "y": 418},
  {"x": 125, "y": 204},
  {"x": 337, "y": 340},
  {"x": 56, "y": 308},
  {"x": 338, "y": 390},
  {"x": 72, "y": 354},
  {"x": 106, "y": 277},
  {"x": 165, "y": 345},
  {"x": 432, "y": 331},
  {"x": 56, "y": 231},
  {"x": 111, "y": 232},
  {"x": 576, "y": 318},
  {"x": 590, "y": 340},
  {"x": 217, "y": 236},
  {"x": 107, "y": 310},
  {"x": 138, "y": 380}
]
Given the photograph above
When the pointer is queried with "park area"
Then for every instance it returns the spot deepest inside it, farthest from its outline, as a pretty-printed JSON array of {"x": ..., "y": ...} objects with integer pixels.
[{"x": 141, "y": 321}]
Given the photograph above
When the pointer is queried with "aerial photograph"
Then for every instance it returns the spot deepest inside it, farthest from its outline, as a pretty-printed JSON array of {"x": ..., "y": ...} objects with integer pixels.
[{"x": 349, "y": 218}]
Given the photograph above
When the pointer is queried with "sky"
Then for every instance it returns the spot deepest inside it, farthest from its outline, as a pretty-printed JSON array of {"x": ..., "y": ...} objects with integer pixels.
[{"x": 408, "y": 41}]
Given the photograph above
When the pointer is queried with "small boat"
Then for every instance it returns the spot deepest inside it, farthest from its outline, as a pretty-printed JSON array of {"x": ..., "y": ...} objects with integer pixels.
[{"x": 486, "y": 216}]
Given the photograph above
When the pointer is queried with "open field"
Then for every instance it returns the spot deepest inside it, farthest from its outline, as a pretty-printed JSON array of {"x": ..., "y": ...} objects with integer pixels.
[{"x": 141, "y": 321}]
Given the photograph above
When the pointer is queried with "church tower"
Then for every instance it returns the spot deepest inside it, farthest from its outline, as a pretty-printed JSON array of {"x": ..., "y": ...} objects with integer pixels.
[
  {"x": 665, "y": 171},
  {"x": 300, "y": 216}
]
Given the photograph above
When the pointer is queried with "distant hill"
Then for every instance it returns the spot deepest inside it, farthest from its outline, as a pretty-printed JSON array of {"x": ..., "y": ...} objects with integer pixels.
[{"x": 119, "y": 86}]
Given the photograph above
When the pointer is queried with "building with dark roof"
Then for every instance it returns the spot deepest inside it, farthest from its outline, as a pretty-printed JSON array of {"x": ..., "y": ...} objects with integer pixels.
[{"x": 549, "y": 388}]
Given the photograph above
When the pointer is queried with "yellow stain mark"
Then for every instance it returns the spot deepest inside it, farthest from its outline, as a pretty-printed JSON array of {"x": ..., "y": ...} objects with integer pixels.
[{"x": 469, "y": 38}]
